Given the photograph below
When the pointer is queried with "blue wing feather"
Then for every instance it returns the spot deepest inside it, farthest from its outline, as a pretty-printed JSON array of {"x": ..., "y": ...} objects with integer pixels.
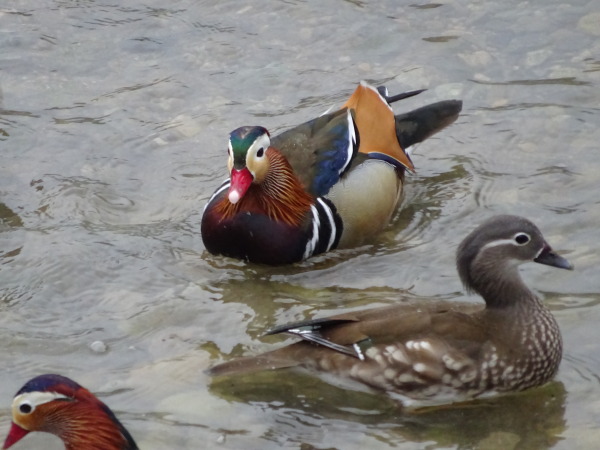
[
  {"x": 333, "y": 160},
  {"x": 321, "y": 150}
]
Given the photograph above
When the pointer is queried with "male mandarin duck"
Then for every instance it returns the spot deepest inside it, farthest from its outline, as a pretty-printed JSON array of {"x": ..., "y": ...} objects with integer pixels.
[
  {"x": 444, "y": 351},
  {"x": 332, "y": 182},
  {"x": 57, "y": 405}
]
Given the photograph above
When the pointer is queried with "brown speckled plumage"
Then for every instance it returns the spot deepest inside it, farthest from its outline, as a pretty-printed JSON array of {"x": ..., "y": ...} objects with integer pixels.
[{"x": 442, "y": 351}]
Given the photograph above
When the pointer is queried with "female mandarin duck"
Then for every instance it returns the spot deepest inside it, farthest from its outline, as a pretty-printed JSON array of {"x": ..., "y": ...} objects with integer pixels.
[
  {"x": 57, "y": 405},
  {"x": 332, "y": 182},
  {"x": 431, "y": 354}
]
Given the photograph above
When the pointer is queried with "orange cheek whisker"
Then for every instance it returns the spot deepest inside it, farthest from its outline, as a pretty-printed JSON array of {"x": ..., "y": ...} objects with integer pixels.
[{"x": 280, "y": 196}]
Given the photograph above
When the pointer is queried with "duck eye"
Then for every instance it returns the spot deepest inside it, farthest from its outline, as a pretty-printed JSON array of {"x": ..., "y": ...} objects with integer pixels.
[
  {"x": 522, "y": 238},
  {"x": 25, "y": 408},
  {"x": 260, "y": 152}
]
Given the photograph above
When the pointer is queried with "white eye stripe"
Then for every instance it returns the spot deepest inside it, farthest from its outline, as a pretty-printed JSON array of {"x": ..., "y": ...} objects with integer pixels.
[
  {"x": 511, "y": 241},
  {"x": 34, "y": 399},
  {"x": 522, "y": 235},
  {"x": 263, "y": 142},
  {"x": 497, "y": 243}
]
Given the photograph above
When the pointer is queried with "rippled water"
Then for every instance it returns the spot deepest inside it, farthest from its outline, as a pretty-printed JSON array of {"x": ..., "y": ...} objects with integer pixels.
[{"x": 113, "y": 128}]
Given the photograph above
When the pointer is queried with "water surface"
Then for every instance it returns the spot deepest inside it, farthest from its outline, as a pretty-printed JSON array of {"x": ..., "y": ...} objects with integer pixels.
[{"x": 113, "y": 132}]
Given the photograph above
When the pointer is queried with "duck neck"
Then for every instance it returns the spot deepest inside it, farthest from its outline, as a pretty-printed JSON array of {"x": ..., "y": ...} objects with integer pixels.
[
  {"x": 502, "y": 287},
  {"x": 279, "y": 195},
  {"x": 92, "y": 426},
  {"x": 284, "y": 196},
  {"x": 518, "y": 315}
]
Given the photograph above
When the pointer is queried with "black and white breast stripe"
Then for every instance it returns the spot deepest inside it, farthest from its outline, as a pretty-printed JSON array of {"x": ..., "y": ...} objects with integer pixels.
[
  {"x": 224, "y": 185},
  {"x": 326, "y": 230}
]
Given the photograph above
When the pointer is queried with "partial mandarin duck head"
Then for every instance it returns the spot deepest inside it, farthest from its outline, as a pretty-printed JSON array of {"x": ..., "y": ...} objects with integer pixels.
[
  {"x": 56, "y": 404},
  {"x": 247, "y": 160}
]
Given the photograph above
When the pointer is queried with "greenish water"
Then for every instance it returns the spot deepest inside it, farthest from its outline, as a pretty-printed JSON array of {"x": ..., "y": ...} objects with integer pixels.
[{"x": 114, "y": 120}]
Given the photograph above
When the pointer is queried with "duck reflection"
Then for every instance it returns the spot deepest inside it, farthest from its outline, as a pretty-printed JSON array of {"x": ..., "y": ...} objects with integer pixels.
[{"x": 531, "y": 419}]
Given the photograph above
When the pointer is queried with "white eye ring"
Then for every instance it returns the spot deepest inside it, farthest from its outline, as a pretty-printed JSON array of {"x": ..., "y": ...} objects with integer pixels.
[
  {"x": 258, "y": 149},
  {"x": 26, "y": 408},
  {"x": 522, "y": 238}
]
